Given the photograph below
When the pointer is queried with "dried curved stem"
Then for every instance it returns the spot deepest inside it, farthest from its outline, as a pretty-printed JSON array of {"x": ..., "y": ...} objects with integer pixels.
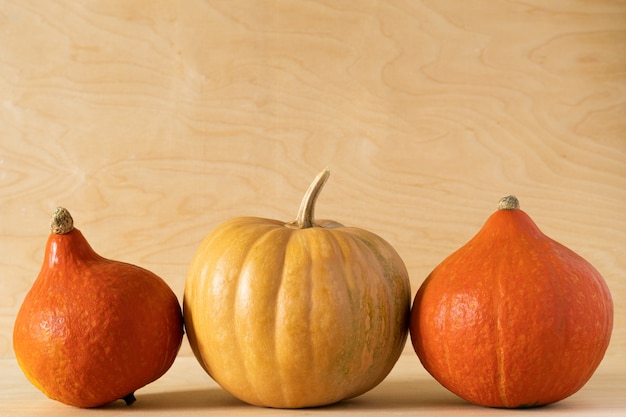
[{"x": 305, "y": 216}]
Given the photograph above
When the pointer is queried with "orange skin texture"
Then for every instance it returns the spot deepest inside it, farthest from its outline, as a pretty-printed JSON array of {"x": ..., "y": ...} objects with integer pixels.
[
  {"x": 512, "y": 318},
  {"x": 290, "y": 318},
  {"x": 92, "y": 330}
]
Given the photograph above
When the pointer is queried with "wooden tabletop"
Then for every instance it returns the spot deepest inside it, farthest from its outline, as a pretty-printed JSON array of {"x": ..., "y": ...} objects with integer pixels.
[{"x": 408, "y": 391}]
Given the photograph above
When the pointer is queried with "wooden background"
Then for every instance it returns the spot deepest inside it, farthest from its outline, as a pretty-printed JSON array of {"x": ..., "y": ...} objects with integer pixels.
[{"x": 154, "y": 121}]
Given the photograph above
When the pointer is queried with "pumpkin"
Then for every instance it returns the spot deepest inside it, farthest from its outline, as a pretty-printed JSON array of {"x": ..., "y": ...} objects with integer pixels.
[
  {"x": 296, "y": 314},
  {"x": 512, "y": 318},
  {"x": 93, "y": 330}
]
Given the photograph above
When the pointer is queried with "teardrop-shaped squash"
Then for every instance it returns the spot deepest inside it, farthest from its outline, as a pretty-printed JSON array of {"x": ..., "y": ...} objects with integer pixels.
[
  {"x": 93, "y": 330},
  {"x": 512, "y": 318}
]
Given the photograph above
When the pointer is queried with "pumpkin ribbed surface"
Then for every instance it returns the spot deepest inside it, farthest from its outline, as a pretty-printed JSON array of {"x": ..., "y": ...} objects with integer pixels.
[
  {"x": 288, "y": 317},
  {"x": 296, "y": 314}
]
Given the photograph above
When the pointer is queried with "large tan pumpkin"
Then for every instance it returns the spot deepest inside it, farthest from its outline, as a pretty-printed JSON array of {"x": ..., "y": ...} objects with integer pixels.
[{"x": 296, "y": 314}]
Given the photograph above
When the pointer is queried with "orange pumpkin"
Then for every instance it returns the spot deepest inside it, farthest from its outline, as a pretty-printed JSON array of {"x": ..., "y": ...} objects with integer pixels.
[
  {"x": 93, "y": 330},
  {"x": 512, "y": 318},
  {"x": 296, "y": 314}
]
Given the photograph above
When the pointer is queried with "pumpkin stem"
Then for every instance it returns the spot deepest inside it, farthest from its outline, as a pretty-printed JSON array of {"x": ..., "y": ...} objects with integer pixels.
[
  {"x": 304, "y": 219},
  {"x": 61, "y": 222},
  {"x": 510, "y": 202}
]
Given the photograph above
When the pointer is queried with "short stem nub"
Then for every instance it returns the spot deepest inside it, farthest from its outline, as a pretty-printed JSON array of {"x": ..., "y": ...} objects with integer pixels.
[
  {"x": 61, "y": 222},
  {"x": 305, "y": 217},
  {"x": 130, "y": 398},
  {"x": 510, "y": 202}
]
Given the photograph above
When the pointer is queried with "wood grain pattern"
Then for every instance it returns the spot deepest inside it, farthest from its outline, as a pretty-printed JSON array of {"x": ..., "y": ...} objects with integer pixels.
[{"x": 152, "y": 122}]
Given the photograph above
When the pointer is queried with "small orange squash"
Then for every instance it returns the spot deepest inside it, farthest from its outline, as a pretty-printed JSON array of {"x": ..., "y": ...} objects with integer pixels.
[
  {"x": 296, "y": 314},
  {"x": 93, "y": 330},
  {"x": 512, "y": 318}
]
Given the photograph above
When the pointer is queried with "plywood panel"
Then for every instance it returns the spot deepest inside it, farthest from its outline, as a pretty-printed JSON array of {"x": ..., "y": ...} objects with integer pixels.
[{"x": 152, "y": 122}]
